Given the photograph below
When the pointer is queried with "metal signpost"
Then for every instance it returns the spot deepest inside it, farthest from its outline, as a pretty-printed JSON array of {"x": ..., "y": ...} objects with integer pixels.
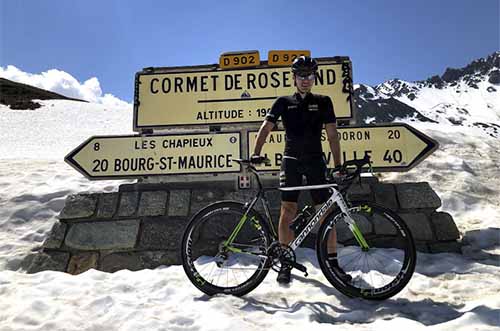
[{"x": 233, "y": 97}]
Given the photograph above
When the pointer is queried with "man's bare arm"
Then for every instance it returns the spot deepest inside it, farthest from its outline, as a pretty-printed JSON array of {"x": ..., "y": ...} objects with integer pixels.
[
  {"x": 333, "y": 139},
  {"x": 264, "y": 130}
]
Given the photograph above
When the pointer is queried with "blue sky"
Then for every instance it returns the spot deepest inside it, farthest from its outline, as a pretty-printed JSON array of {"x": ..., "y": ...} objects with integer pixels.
[{"x": 113, "y": 39}]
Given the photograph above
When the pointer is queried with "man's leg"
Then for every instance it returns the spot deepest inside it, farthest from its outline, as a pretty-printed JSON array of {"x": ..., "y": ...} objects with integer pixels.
[
  {"x": 287, "y": 214},
  {"x": 285, "y": 234},
  {"x": 289, "y": 177}
]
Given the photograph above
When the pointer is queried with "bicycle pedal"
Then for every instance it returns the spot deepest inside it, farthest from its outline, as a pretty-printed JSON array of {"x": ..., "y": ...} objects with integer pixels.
[{"x": 300, "y": 267}]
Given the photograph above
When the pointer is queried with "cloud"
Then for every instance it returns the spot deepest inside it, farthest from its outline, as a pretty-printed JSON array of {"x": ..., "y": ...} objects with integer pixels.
[{"x": 63, "y": 83}]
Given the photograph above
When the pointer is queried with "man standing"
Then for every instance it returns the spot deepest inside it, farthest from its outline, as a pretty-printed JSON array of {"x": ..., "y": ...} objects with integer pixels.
[{"x": 303, "y": 115}]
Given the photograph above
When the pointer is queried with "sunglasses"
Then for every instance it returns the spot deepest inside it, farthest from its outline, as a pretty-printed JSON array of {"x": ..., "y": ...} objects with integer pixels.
[{"x": 306, "y": 77}]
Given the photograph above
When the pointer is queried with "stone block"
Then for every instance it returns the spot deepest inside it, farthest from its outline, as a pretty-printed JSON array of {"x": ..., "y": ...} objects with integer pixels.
[
  {"x": 370, "y": 180},
  {"x": 344, "y": 234},
  {"x": 162, "y": 233},
  {"x": 201, "y": 198},
  {"x": 82, "y": 262},
  {"x": 444, "y": 227},
  {"x": 240, "y": 195},
  {"x": 446, "y": 247},
  {"x": 107, "y": 205},
  {"x": 419, "y": 226},
  {"x": 383, "y": 226},
  {"x": 103, "y": 235},
  {"x": 128, "y": 203},
  {"x": 385, "y": 195},
  {"x": 361, "y": 192},
  {"x": 153, "y": 203},
  {"x": 422, "y": 247},
  {"x": 79, "y": 206},
  {"x": 274, "y": 199},
  {"x": 48, "y": 260},
  {"x": 56, "y": 236},
  {"x": 138, "y": 260},
  {"x": 417, "y": 195},
  {"x": 275, "y": 214},
  {"x": 178, "y": 204}
]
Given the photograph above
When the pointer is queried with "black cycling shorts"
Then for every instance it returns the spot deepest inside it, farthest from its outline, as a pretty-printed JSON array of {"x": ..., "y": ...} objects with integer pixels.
[{"x": 291, "y": 173}]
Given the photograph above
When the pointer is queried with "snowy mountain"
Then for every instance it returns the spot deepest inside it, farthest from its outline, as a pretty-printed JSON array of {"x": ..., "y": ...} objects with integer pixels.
[
  {"x": 467, "y": 97},
  {"x": 448, "y": 291}
]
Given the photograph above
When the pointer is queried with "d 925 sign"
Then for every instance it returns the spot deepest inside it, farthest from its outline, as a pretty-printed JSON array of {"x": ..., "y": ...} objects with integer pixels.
[{"x": 284, "y": 58}]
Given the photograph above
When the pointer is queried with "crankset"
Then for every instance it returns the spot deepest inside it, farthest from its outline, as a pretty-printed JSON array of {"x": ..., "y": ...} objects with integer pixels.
[{"x": 283, "y": 256}]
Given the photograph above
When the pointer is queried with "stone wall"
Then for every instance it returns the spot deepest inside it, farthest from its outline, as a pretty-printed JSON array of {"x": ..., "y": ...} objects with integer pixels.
[{"x": 141, "y": 226}]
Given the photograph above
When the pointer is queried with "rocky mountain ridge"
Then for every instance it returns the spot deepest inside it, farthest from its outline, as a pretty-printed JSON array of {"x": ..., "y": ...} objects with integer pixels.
[
  {"x": 21, "y": 96},
  {"x": 466, "y": 96}
]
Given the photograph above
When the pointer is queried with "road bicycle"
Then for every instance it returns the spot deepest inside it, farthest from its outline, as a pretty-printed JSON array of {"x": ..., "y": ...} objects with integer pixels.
[{"x": 229, "y": 247}]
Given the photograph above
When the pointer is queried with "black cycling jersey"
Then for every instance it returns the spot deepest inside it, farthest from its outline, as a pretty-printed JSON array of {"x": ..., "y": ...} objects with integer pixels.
[{"x": 303, "y": 120}]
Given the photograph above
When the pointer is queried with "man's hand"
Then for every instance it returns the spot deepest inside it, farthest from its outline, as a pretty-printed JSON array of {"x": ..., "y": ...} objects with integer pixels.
[
  {"x": 338, "y": 174},
  {"x": 257, "y": 159}
]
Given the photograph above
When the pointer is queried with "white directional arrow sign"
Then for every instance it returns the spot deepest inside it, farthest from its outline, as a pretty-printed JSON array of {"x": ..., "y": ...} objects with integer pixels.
[
  {"x": 113, "y": 157},
  {"x": 392, "y": 147}
]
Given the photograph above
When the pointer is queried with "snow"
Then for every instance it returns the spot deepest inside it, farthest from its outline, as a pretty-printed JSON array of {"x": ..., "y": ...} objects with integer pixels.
[{"x": 448, "y": 291}]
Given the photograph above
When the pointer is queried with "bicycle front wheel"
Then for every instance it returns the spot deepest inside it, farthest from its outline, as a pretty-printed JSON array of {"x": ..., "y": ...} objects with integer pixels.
[
  {"x": 378, "y": 253},
  {"x": 224, "y": 250}
]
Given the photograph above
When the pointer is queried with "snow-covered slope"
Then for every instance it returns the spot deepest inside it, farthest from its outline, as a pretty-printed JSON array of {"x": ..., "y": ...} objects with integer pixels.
[
  {"x": 468, "y": 97},
  {"x": 448, "y": 291}
]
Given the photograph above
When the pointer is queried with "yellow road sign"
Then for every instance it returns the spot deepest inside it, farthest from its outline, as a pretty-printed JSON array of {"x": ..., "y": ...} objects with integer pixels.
[
  {"x": 205, "y": 95},
  {"x": 113, "y": 157},
  {"x": 284, "y": 58},
  {"x": 392, "y": 147},
  {"x": 239, "y": 59}
]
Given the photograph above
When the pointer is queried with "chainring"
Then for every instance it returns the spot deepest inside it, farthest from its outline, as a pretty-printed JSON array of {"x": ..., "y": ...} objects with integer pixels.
[{"x": 282, "y": 256}]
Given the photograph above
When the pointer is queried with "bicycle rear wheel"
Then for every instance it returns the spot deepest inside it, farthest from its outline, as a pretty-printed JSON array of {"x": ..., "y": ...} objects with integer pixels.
[
  {"x": 381, "y": 268},
  {"x": 213, "y": 265}
]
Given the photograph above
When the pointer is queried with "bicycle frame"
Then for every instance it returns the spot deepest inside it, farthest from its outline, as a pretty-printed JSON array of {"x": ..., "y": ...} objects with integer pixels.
[{"x": 335, "y": 198}]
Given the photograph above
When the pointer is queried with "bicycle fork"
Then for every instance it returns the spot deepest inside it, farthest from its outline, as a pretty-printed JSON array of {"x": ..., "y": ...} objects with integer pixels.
[
  {"x": 351, "y": 223},
  {"x": 227, "y": 244}
]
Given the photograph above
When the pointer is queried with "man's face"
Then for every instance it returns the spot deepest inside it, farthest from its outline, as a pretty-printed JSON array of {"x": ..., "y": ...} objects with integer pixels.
[{"x": 304, "y": 81}]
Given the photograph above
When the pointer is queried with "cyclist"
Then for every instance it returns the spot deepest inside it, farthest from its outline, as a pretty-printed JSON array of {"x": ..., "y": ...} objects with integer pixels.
[{"x": 303, "y": 115}]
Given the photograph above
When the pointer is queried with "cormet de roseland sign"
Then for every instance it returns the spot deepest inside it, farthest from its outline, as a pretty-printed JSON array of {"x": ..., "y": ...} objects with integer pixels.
[{"x": 207, "y": 95}]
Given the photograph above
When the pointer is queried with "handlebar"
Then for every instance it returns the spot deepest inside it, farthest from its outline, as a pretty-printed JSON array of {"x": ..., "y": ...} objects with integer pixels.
[
  {"x": 252, "y": 163},
  {"x": 347, "y": 175}
]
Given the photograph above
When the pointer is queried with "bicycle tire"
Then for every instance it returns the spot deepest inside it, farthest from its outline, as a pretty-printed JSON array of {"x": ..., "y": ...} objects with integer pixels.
[
  {"x": 379, "y": 272},
  {"x": 201, "y": 249}
]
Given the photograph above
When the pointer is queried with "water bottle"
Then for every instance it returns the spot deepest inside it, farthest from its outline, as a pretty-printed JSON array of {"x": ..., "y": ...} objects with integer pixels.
[{"x": 303, "y": 216}]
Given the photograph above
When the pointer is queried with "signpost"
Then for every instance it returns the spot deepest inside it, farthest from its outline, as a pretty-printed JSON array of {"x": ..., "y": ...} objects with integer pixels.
[
  {"x": 113, "y": 157},
  {"x": 240, "y": 90},
  {"x": 206, "y": 95},
  {"x": 392, "y": 147}
]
